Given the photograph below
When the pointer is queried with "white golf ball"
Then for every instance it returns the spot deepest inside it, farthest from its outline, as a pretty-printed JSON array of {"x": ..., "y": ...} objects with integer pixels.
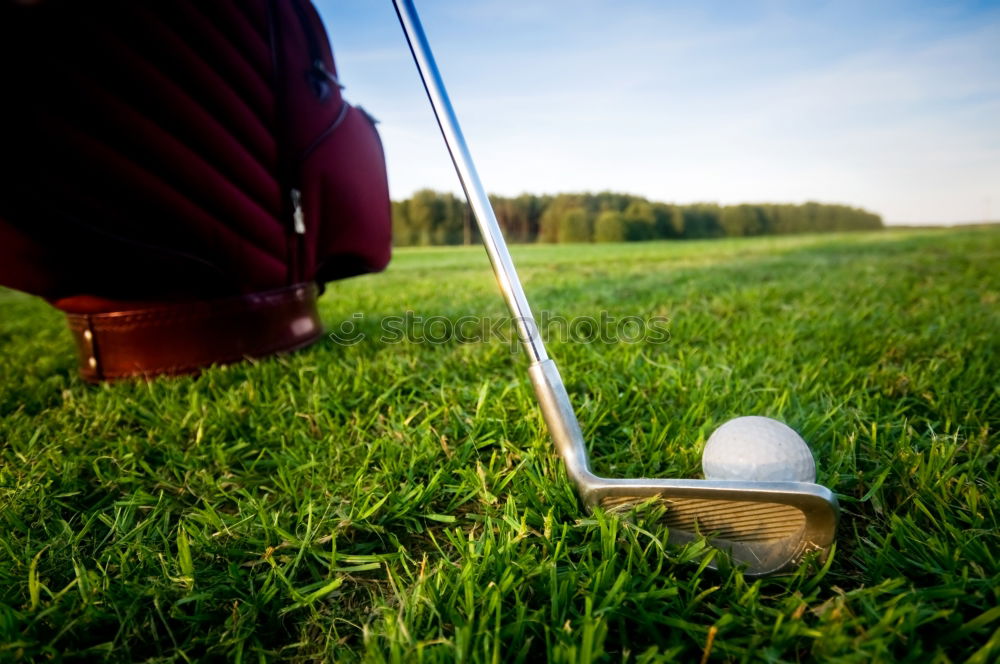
[{"x": 757, "y": 449}]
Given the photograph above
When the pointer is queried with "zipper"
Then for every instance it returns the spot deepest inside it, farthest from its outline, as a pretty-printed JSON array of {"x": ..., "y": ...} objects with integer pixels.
[
  {"x": 291, "y": 203},
  {"x": 323, "y": 82}
]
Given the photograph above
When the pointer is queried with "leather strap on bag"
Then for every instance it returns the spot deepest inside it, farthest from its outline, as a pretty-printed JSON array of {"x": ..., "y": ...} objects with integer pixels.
[{"x": 180, "y": 338}]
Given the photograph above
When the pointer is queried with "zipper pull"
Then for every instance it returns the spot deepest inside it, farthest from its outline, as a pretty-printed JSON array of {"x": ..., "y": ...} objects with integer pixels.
[
  {"x": 320, "y": 78},
  {"x": 321, "y": 69},
  {"x": 298, "y": 217}
]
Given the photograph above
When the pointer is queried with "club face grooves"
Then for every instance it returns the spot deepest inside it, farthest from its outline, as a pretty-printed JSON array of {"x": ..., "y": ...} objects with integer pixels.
[
  {"x": 722, "y": 519},
  {"x": 766, "y": 533}
]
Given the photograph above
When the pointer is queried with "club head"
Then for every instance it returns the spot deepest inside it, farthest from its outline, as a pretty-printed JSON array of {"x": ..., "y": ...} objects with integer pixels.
[{"x": 766, "y": 527}]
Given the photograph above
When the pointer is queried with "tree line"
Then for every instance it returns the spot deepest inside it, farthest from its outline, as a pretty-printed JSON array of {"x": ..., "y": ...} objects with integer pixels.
[{"x": 430, "y": 217}]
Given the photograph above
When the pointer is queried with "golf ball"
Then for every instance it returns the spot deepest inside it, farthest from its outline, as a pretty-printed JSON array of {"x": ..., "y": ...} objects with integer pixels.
[{"x": 757, "y": 449}]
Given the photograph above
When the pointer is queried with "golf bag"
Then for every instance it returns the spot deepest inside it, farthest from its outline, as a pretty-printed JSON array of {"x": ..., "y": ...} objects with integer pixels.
[{"x": 182, "y": 177}]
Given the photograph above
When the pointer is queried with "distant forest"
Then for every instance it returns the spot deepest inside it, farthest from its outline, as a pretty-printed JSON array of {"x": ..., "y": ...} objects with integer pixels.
[{"x": 431, "y": 217}]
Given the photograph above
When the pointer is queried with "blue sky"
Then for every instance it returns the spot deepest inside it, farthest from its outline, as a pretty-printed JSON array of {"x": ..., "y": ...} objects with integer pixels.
[{"x": 892, "y": 106}]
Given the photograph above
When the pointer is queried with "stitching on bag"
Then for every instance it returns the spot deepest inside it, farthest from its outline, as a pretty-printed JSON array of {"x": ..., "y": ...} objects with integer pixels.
[{"x": 326, "y": 133}]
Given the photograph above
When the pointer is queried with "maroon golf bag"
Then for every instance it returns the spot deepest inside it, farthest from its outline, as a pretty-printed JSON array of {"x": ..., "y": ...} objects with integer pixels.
[{"x": 182, "y": 176}]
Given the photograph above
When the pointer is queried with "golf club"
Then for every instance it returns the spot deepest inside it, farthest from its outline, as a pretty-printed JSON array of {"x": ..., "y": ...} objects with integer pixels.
[{"x": 764, "y": 526}]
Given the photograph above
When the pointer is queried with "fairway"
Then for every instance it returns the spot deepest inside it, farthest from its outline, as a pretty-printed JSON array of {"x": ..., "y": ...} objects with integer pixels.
[{"x": 395, "y": 497}]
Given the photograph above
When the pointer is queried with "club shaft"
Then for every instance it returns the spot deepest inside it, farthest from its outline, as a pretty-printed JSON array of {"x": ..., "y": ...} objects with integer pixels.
[
  {"x": 549, "y": 387},
  {"x": 496, "y": 247}
]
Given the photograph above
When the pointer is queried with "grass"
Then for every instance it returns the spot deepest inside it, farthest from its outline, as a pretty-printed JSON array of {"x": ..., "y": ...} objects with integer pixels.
[{"x": 401, "y": 502}]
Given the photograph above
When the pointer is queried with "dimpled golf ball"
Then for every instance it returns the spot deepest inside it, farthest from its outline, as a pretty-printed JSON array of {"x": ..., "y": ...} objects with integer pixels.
[{"x": 757, "y": 449}]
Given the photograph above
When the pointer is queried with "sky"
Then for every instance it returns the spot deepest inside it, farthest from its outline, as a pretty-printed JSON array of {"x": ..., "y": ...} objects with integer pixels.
[{"x": 891, "y": 106}]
